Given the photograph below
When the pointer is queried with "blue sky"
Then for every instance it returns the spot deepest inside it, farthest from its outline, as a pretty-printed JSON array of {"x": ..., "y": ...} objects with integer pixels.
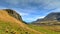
[{"x": 31, "y": 10}]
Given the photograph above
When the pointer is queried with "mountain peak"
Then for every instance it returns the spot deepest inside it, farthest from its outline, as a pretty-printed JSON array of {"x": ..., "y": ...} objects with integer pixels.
[{"x": 53, "y": 18}]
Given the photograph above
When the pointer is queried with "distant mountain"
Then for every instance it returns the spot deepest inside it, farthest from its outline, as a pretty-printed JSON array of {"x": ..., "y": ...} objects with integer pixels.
[
  {"x": 53, "y": 16},
  {"x": 50, "y": 19}
]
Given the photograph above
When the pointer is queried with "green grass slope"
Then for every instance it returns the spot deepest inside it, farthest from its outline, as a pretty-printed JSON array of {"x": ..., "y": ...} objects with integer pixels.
[
  {"x": 46, "y": 29},
  {"x": 10, "y": 25}
]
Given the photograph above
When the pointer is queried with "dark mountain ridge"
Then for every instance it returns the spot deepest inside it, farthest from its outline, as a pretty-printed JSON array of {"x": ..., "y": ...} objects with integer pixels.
[
  {"x": 50, "y": 19},
  {"x": 14, "y": 14}
]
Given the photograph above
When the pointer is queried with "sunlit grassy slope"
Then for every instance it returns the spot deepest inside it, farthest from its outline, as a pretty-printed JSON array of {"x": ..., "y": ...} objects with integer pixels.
[
  {"x": 47, "y": 29},
  {"x": 10, "y": 25}
]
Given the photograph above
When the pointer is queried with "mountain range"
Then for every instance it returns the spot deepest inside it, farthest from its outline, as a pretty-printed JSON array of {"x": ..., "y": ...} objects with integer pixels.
[{"x": 52, "y": 18}]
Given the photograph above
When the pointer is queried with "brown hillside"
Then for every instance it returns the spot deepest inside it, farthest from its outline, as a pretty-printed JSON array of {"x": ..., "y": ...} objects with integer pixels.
[{"x": 5, "y": 17}]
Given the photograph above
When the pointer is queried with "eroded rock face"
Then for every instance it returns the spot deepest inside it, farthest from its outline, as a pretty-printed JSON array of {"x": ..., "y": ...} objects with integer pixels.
[
  {"x": 50, "y": 19},
  {"x": 53, "y": 16},
  {"x": 13, "y": 14}
]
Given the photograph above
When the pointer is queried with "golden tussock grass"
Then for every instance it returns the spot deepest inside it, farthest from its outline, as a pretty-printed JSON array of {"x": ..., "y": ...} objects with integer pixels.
[{"x": 4, "y": 16}]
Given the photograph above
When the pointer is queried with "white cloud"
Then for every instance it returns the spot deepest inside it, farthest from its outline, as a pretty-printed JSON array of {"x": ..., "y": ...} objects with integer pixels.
[
  {"x": 30, "y": 19},
  {"x": 13, "y": 1},
  {"x": 45, "y": 4},
  {"x": 24, "y": 14},
  {"x": 38, "y": 17},
  {"x": 41, "y": 17},
  {"x": 1, "y": 7},
  {"x": 50, "y": 4}
]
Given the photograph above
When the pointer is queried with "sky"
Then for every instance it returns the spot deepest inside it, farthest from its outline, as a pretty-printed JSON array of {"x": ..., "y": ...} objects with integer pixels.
[{"x": 31, "y": 10}]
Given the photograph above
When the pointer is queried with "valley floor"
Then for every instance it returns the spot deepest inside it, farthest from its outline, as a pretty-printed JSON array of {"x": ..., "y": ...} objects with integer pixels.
[{"x": 47, "y": 29}]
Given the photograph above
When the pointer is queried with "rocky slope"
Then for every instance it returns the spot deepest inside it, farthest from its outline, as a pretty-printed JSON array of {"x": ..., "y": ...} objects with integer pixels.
[
  {"x": 50, "y": 19},
  {"x": 13, "y": 14}
]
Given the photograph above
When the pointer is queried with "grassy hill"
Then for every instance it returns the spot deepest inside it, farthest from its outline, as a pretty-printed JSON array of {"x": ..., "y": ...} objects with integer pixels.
[{"x": 10, "y": 25}]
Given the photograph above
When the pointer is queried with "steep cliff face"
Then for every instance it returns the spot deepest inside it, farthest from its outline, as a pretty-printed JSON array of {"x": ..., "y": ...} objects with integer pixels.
[
  {"x": 52, "y": 18},
  {"x": 13, "y": 14}
]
